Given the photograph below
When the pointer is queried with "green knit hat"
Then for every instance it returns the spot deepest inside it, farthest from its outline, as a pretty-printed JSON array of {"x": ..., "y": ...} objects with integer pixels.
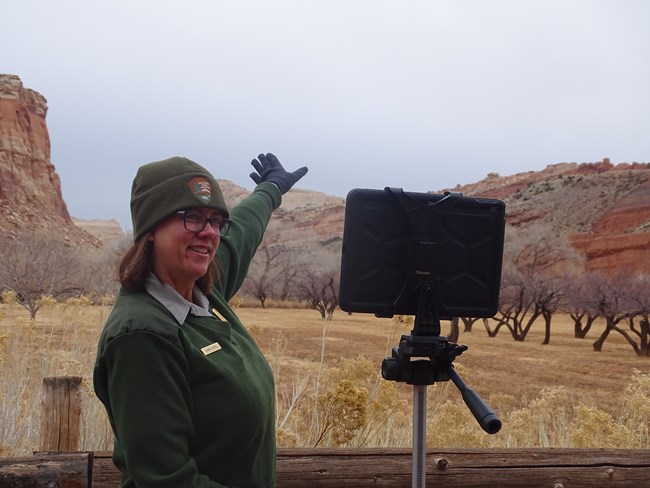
[{"x": 164, "y": 187}]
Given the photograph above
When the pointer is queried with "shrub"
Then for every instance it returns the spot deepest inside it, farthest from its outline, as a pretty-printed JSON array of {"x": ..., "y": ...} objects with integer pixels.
[{"x": 595, "y": 428}]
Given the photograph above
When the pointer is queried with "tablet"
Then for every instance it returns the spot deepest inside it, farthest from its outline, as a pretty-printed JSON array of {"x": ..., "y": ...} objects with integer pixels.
[{"x": 396, "y": 242}]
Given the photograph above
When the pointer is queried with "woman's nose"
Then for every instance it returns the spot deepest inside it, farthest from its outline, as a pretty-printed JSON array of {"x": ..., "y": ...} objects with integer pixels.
[{"x": 209, "y": 231}]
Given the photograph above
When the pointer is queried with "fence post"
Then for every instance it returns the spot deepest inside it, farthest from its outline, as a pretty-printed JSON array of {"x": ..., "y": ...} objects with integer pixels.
[{"x": 60, "y": 418}]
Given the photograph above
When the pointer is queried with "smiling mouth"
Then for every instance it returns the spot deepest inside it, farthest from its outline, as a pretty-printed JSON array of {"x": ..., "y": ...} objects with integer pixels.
[{"x": 200, "y": 250}]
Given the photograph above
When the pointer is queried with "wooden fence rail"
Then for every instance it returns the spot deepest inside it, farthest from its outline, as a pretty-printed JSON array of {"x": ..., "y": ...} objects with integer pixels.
[
  {"x": 365, "y": 468},
  {"x": 340, "y": 468}
]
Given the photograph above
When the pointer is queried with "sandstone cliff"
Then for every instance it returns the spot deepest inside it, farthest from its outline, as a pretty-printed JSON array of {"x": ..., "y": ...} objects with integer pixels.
[
  {"x": 30, "y": 189},
  {"x": 601, "y": 208}
]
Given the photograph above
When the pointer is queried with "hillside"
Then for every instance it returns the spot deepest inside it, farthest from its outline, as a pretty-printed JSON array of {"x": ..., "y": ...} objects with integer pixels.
[{"x": 603, "y": 209}]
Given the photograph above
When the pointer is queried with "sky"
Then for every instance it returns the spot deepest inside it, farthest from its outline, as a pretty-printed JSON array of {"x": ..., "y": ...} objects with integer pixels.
[{"x": 417, "y": 94}]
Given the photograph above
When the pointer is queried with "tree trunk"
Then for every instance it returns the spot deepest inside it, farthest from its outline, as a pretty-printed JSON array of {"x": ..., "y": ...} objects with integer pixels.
[
  {"x": 521, "y": 337},
  {"x": 581, "y": 332},
  {"x": 577, "y": 329},
  {"x": 598, "y": 345},
  {"x": 547, "y": 328},
  {"x": 644, "y": 342},
  {"x": 501, "y": 322},
  {"x": 468, "y": 322},
  {"x": 454, "y": 333}
]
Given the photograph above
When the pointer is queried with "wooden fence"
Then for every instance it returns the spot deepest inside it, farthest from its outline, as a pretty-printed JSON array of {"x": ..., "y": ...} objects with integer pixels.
[{"x": 59, "y": 465}]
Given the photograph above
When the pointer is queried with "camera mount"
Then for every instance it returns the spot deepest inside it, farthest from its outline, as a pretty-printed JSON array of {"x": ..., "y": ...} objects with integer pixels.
[
  {"x": 424, "y": 358},
  {"x": 432, "y": 256}
]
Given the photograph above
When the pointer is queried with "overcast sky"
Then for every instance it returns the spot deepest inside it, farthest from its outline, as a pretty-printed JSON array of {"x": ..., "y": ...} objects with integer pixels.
[{"x": 416, "y": 94}]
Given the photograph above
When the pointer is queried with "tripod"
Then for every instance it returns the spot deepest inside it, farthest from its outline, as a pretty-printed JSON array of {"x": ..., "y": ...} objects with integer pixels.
[{"x": 424, "y": 358}]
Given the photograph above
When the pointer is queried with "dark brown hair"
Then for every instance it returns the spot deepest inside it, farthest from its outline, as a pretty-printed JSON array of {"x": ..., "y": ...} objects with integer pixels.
[{"x": 137, "y": 264}]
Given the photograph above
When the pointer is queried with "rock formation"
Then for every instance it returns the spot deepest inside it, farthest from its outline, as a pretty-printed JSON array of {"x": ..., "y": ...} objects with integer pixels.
[
  {"x": 30, "y": 189},
  {"x": 602, "y": 208},
  {"x": 620, "y": 238},
  {"x": 308, "y": 221}
]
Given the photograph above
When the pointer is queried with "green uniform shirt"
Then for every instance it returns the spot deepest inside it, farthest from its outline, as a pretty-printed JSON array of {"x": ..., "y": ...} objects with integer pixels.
[{"x": 191, "y": 402}]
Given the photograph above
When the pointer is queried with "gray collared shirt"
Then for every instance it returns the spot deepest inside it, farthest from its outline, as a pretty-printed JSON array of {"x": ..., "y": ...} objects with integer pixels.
[{"x": 175, "y": 303}]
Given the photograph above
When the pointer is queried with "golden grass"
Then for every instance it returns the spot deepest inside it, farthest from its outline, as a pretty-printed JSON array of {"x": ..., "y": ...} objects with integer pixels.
[
  {"x": 497, "y": 365},
  {"x": 61, "y": 342},
  {"x": 563, "y": 394}
]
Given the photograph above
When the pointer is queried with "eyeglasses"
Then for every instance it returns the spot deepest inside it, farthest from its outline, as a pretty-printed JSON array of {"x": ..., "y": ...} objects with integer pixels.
[{"x": 196, "y": 222}]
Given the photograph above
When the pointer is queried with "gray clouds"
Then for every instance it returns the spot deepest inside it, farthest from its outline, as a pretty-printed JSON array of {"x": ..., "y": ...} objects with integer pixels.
[{"x": 418, "y": 94}]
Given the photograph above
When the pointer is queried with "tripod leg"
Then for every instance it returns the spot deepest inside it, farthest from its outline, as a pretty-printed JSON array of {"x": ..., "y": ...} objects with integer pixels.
[{"x": 419, "y": 435}]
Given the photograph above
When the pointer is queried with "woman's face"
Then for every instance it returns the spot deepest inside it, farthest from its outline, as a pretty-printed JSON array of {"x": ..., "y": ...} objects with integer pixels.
[{"x": 181, "y": 256}]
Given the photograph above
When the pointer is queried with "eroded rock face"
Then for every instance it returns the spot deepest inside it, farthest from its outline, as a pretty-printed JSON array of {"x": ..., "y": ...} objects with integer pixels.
[
  {"x": 30, "y": 188},
  {"x": 601, "y": 208},
  {"x": 620, "y": 238},
  {"x": 26, "y": 175},
  {"x": 308, "y": 221}
]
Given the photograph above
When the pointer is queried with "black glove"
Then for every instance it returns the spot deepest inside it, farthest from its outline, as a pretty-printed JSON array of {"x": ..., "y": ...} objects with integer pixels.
[{"x": 269, "y": 169}]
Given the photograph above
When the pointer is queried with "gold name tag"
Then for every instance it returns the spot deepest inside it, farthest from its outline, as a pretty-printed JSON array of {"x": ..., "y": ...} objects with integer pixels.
[
  {"x": 211, "y": 348},
  {"x": 216, "y": 314}
]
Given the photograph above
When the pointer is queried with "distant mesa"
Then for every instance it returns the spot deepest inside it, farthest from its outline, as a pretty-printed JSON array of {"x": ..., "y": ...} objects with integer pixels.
[{"x": 602, "y": 208}]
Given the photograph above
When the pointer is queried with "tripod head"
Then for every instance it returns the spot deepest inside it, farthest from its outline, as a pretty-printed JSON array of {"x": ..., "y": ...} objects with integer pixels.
[
  {"x": 420, "y": 360},
  {"x": 435, "y": 356},
  {"x": 424, "y": 359}
]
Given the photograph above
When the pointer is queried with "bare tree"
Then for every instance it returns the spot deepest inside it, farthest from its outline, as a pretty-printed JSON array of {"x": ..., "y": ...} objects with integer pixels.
[
  {"x": 547, "y": 294},
  {"x": 516, "y": 306},
  {"x": 531, "y": 285},
  {"x": 98, "y": 268},
  {"x": 35, "y": 265},
  {"x": 638, "y": 322},
  {"x": 468, "y": 322},
  {"x": 261, "y": 277},
  {"x": 577, "y": 304},
  {"x": 320, "y": 290},
  {"x": 623, "y": 300},
  {"x": 607, "y": 294},
  {"x": 288, "y": 273}
]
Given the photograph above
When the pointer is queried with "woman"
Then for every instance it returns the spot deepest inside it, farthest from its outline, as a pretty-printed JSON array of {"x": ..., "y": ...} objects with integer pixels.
[{"x": 188, "y": 393}]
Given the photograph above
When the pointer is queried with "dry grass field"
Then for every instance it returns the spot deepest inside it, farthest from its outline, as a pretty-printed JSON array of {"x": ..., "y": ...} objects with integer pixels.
[{"x": 330, "y": 392}]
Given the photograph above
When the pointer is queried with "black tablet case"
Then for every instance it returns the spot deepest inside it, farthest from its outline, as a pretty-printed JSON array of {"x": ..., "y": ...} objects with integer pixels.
[{"x": 393, "y": 240}]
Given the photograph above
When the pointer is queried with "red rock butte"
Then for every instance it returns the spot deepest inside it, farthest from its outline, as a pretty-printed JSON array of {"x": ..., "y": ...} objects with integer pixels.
[{"x": 30, "y": 188}]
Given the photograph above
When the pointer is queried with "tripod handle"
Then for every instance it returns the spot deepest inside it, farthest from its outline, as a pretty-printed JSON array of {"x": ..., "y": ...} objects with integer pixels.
[{"x": 485, "y": 416}]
